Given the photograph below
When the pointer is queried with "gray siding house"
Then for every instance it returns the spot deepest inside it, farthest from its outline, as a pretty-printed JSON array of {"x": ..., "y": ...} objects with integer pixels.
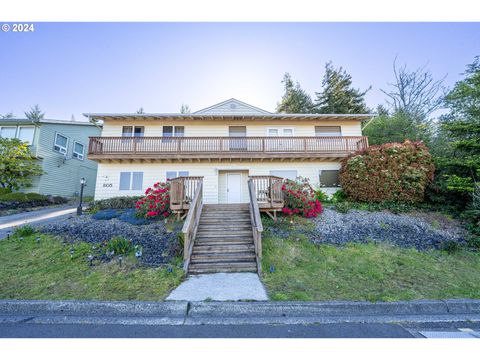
[{"x": 61, "y": 147}]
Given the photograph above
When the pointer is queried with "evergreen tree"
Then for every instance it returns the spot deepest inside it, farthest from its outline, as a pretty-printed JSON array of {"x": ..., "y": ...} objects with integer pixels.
[
  {"x": 337, "y": 95},
  {"x": 35, "y": 113},
  {"x": 7, "y": 116},
  {"x": 461, "y": 127},
  {"x": 140, "y": 110},
  {"x": 294, "y": 100},
  {"x": 185, "y": 109}
]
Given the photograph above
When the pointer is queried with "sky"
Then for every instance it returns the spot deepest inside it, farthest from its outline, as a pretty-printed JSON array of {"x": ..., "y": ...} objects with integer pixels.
[{"x": 74, "y": 68}]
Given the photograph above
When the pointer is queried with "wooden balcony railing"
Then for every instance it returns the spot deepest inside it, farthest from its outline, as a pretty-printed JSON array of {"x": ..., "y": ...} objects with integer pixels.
[{"x": 217, "y": 147}]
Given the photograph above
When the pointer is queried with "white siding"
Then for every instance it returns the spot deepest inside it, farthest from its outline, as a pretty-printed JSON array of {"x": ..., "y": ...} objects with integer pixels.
[
  {"x": 110, "y": 174},
  {"x": 214, "y": 128}
]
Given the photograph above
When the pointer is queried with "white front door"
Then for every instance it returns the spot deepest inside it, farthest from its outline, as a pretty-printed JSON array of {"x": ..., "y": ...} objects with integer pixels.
[{"x": 234, "y": 188}]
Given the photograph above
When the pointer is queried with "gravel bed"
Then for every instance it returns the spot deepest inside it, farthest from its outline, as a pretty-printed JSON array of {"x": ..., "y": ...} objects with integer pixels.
[
  {"x": 159, "y": 245},
  {"x": 404, "y": 230}
]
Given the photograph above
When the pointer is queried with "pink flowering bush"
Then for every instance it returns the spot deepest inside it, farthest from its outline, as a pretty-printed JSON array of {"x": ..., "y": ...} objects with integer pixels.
[
  {"x": 300, "y": 199},
  {"x": 156, "y": 203}
]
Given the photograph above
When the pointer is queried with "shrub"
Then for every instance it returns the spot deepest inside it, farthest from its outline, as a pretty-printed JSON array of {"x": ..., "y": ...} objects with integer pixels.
[
  {"x": 118, "y": 245},
  {"x": 23, "y": 197},
  {"x": 322, "y": 196},
  {"x": 107, "y": 214},
  {"x": 25, "y": 230},
  {"x": 156, "y": 203},
  {"x": 343, "y": 207},
  {"x": 300, "y": 198},
  {"x": 389, "y": 172},
  {"x": 120, "y": 202},
  {"x": 4, "y": 191},
  {"x": 338, "y": 196}
]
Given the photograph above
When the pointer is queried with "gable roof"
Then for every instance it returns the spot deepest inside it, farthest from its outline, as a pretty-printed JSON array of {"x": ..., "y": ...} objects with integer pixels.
[{"x": 232, "y": 107}]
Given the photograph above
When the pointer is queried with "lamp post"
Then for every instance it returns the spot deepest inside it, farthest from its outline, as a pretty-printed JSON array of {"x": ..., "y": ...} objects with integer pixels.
[{"x": 82, "y": 185}]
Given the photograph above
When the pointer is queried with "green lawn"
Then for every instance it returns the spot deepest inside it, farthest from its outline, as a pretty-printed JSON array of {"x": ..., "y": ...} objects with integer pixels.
[
  {"x": 305, "y": 271},
  {"x": 46, "y": 270}
]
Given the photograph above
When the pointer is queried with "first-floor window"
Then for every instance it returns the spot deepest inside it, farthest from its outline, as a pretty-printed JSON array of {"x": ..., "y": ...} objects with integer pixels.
[
  {"x": 329, "y": 178},
  {"x": 173, "y": 174},
  {"x": 286, "y": 174},
  {"x": 78, "y": 150},
  {"x": 131, "y": 180},
  {"x": 61, "y": 143}
]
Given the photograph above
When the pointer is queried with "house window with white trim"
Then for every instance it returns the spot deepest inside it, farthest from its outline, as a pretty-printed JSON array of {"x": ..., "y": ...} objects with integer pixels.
[
  {"x": 329, "y": 178},
  {"x": 280, "y": 132},
  {"x": 328, "y": 131},
  {"x": 131, "y": 180},
  {"x": 78, "y": 150},
  {"x": 61, "y": 143},
  {"x": 173, "y": 131},
  {"x": 136, "y": 131},
  {"x": 8, "y": 132},
  {"x": 173, "y": 174},
  {"x": 25, "y": 134}
]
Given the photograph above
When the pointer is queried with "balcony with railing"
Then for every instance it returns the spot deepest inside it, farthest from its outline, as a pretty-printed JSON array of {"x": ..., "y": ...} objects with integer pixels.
[{"x": 197, "y": 148}]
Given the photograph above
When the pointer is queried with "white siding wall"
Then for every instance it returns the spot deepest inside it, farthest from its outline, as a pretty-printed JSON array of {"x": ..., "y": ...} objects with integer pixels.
[
  {"x": 110, "y": 174},
  {"x": 214, "y": 128}
]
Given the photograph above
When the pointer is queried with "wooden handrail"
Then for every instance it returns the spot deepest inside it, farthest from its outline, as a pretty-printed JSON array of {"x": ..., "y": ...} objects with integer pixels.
[
  {"x": 257, "y": 226},
  {"x": 190, "y": 226},
  {"x": 226, "y": 145}
]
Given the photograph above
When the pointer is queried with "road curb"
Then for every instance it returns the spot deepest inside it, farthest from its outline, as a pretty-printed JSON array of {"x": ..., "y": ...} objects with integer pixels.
[
  {"x": 230, "y": 313},
  {"x": 46, "y": 311}
]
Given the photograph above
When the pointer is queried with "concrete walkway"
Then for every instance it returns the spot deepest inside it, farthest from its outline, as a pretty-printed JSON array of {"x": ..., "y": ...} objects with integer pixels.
[
  {"x": 220, "y": 287},
  {"x": 34, "y": 218}
]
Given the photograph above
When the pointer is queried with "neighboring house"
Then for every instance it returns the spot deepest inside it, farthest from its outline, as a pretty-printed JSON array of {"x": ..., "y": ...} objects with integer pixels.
[
  {"x": 225, "y": 144},
  {"x": 61, "y": 149}
]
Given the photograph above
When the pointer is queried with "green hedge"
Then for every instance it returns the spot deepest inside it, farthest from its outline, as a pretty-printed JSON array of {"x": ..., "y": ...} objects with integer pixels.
[
  {"x": 390, "y": 172},
  {"x": 121, "y": 202},
  {"x": 23, "y": 197},
  {"x": 4, "y": 191}
]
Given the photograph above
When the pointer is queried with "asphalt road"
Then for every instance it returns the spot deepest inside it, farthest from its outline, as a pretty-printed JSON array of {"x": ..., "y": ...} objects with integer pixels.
[
  {"x": 35, "y": 218},
  {"x": 25, "y": 330}
]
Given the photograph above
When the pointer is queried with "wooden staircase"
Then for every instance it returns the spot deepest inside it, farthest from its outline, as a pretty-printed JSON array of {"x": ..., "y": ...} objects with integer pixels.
[{"x": 223, "y": 241}]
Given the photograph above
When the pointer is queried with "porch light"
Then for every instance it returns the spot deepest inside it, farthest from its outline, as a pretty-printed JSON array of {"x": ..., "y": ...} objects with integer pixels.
[
  {"x": 120, "y": 258},
  {"x": 272, "y": 268},
  {"x": 138, "y": 251},
  {"x": 90, "y": 259}
]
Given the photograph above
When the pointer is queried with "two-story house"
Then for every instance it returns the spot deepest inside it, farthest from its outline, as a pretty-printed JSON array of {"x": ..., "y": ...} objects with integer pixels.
[
  {"x": 61, "y": 148},
  {"x": 225, "y": 144},
  {"x": 227, "y": 163}
]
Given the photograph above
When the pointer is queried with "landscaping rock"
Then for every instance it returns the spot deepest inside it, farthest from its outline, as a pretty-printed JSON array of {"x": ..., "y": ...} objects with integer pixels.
[
  {"x": 405, "y": 230},
  {"x": 159, "y": 245}
]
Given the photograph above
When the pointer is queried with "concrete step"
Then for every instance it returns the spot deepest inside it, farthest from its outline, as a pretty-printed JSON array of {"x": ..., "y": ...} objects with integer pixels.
[{"x": 222, "y": 267}]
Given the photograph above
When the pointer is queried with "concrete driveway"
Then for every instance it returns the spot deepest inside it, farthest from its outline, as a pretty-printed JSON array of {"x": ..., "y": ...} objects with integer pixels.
[{"x": 35, "y": 218}]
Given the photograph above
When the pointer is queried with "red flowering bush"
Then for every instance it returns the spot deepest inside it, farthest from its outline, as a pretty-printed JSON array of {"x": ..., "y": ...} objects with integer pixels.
[
  {"x": 388, "y": 172},
  {"x": 300, "y": 198},
  {"x": 156, "y": 203}
]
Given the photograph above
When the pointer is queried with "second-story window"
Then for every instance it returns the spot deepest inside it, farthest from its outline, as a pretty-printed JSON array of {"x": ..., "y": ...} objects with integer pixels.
[
  {"x": 25, "y": 134},
  {"x": 328, "y": 131},
  {"x": 8, "y": 132},
  {"x": 61, "y": 143},
  {"x": 78, "y": 150},
  {"x": 136, "y": 131},
  {"x": 173, "y": 131}
]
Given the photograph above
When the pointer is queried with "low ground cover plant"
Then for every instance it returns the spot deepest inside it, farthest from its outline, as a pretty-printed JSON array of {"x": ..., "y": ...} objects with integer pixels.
[{"x": 300, "y": 199}]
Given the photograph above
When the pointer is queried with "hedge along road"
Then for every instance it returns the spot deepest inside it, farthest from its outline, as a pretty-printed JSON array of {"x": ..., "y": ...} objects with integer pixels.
[{"x": 34, "y": 218}]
